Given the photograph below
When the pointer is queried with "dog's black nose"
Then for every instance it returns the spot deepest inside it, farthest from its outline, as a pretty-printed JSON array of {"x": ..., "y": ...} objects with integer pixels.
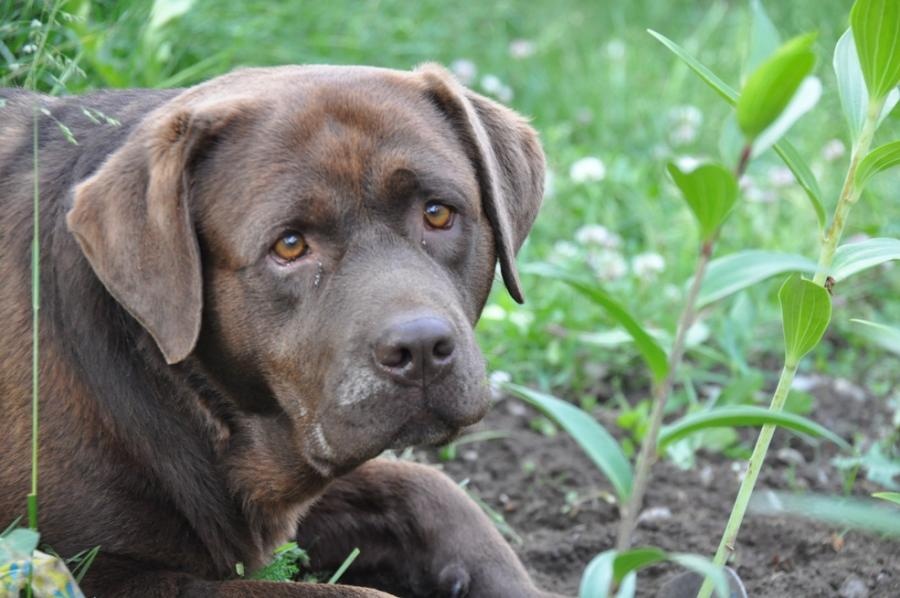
[{"x": 417, "y": 350}]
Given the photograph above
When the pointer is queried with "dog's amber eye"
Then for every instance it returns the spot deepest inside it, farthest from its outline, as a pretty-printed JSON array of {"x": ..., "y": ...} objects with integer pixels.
[
  {"x": 438, "y": 215},
  {"x": 290, "y": 246}
]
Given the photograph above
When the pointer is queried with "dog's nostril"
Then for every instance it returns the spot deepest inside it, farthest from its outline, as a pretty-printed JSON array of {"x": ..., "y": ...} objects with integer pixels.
[
  {"x": 411, "y": 349},
  {"x": 443, "y": 348}
]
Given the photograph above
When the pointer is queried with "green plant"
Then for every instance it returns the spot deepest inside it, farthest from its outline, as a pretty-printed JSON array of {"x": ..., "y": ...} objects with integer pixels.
[{"x": 774, "y": 96}]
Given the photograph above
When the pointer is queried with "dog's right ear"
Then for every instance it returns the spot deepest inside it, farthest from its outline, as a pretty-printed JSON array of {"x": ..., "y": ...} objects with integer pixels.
[{"x": 133, "y": 222}]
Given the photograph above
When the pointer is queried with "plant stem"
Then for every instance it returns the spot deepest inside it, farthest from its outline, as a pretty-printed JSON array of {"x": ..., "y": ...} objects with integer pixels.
[
  {"x": 726, "y": 546},
  {"x": 849, "y": 195},
  {"x": 661, "y": 390},
  {"x": 849, "y": 192},
  {"x": 35, "y": 310}
]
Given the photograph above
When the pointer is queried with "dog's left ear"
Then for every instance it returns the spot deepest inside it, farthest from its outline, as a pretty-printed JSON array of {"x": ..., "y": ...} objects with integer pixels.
[
  {"x": 508, "y": 160},
  {"x": 133, "y": 223}
]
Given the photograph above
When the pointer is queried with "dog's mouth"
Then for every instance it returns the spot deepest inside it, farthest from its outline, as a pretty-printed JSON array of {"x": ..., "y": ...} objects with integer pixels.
[{"x": 345, "y": 436}]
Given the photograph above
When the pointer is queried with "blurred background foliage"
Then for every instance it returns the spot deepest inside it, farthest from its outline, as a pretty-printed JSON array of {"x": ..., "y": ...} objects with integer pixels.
[{"x": 612, "y": 106}]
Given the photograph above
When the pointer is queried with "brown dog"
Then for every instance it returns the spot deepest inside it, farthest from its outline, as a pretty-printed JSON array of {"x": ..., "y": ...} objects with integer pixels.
[{"x": 251, "y": 288}]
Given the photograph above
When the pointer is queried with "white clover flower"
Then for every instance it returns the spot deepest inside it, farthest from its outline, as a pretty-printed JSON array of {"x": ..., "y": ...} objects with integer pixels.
[
  {"x": 833, "y": 150},
  {"x": 493, "y": 312},
  {"x": 564, "y": 251},
  {"x": 521, "y": 48},
  {"x": 505, "y": 94},
  {"x": 549, "y": 183},
  {"x": 597, "y": 234},
  {"x": 647, "y": 265},
  {"x": 589, "y": 169},
  {"x": 685, "y": 123},
  {"x": 780, "y": 176},
  {"x": 608, "y": 265},
  {"x": 465, "y": 70},
  {"x": 615, "y": 49},
  {"x": 491, "y": 83},
  {"x": 687, "y": 163}
]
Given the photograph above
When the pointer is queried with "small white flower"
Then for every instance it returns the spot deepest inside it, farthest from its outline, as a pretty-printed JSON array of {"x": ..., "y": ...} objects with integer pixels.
[
  {"x": 564, "y": 251},
  {"x": 597, "y": 234},
  {"x": 35, "y": 24},
  {"x": 549, "y": 183},
  {"x": 615, "y": 49},
  {"x": 780, "y": 176},
  {"x": 29, "y": 49},
  {"x": 505, "y": 94},
  {"x": 465, "y": 70},
  {"x": 608, "y": 265},
  {"x": 647, "y": 265},
  {"x": 494, "y": 86},
  {"x": 687, "y": 163},
  {"x": 491, "y": 83},
  {"x": 521, "y": 48},
  {"x": 493, "y": 312},
  {"x": 496, "y": 380},
  {"x": 685, "y": 122},
  {"x": 833, "y": 150},
  {"x": 589, "y": 169}
]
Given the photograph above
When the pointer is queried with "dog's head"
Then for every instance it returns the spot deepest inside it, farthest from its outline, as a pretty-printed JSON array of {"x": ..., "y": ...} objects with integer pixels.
[{"x": 320, "y": 240}]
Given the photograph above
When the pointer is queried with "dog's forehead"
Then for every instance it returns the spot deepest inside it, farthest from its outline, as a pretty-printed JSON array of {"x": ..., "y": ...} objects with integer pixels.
[{"x": 330, "y": 141}]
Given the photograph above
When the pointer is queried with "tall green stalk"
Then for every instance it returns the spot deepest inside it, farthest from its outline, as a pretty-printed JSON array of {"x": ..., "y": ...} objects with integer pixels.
[
  {"x": 849, "y": 196},
  {"x": 35, "y": 321}
]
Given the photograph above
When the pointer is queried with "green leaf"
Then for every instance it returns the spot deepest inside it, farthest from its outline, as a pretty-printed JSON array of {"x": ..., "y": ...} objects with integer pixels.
[
  {"x": 842, "y": 513},
  {"x": 852, "y": 86},
  {"x": 772, "y": 85},
  {"x": 654, "y": 356},
  {"x": 880, "y": 158},
  {"x": 804, "y": 100},
  {"x": 727, "y": 92},
  {"x": 876, "y": 31},
  {"x": 610, "y": 567},
  {"x": 764, "y": 37},
  {"x": 893, "y": 497},
  {"x": 884, "y": 336},
  {"x": 856, "y": 257},
  {"x": 805, "y": 312},
  {"x": 804, "y": 176},
  {"x": 737, "y": 271},
  {"x": 635, "y": 559},
  {"x": 599, "y": 444},
  {"x": 597, "y": 578},
  {"x": 742, "y": 416},
  {"x": 710, "y": 191}
]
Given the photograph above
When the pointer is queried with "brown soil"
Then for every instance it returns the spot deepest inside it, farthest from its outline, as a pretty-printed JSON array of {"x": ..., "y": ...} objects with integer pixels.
[{"x": 561, "y": 506}]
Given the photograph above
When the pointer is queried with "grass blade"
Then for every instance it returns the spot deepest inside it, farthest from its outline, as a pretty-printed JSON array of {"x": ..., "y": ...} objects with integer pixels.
[
  {"x": 344, "y": 566},
  {"x": 727, "y": 92},
  {"x": 737, "y": 271},
  {"x": 599, "y": 444},
  {"x": 804, "y": 176},
  {"x": 854, "y": 513},
  {"x": 654, "y": 356},
  {"x": 743, "y": 416},
  {"x": 893, "y": 497}
]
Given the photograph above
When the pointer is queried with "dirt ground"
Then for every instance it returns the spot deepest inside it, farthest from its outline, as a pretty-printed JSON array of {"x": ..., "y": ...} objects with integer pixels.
[{"x": 527, "y": 477}]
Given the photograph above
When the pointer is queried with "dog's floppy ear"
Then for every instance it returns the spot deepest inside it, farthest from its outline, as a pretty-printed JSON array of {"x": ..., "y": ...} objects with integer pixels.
[
  {"x": 508, "y": 160},
  {"x": 133, "y": 223}
]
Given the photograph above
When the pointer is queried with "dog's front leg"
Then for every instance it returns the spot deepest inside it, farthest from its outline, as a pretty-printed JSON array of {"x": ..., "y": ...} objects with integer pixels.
[{"x": 418, "y": 533}]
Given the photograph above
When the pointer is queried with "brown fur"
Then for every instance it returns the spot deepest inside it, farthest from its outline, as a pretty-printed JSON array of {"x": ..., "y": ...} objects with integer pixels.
[{"x": 199, "y": 400}]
